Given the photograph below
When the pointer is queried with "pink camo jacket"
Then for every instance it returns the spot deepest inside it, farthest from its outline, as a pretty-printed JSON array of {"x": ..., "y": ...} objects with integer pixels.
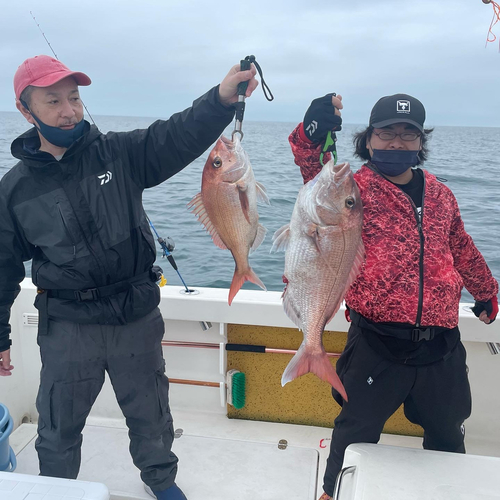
[{"x": 387, "y": 287}]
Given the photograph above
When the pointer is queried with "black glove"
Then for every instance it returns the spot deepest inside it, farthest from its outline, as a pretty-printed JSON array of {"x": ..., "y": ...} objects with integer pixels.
[
  {"x": 491, "y": 308},
  {"x": 320, "y": 118}
]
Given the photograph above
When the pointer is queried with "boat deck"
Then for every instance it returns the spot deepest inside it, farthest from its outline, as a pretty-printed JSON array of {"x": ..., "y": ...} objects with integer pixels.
[{"x": 219, "y": 459}]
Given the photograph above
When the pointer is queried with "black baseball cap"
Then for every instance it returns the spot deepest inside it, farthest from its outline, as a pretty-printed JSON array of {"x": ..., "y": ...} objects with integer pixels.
[{"x": 398, "y": 108}]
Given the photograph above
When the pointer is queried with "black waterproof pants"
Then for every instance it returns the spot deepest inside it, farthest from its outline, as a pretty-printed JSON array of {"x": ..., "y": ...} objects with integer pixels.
[
  {"x": 436, "y": 397},
  {"x": 74, "y": 360}
]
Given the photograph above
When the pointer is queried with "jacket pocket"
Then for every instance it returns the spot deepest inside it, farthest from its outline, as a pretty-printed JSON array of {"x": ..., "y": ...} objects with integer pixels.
[
  {"x": 66, "y": 228},
  {"x": 36, "y": 267}
]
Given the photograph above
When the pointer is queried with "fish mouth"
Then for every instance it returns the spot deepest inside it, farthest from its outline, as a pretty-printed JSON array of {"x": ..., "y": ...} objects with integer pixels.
[
  {"x": 333, "y": 177},
  {"x": 227, "y": 143},
  {"x": 340, "y": 171}
]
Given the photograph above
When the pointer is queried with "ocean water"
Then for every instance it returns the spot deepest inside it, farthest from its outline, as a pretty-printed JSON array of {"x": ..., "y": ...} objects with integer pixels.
[{"x": 469, "y": 158}]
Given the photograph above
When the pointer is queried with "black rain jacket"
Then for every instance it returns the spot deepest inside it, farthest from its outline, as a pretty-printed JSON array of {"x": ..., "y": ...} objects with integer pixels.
[{"x": 81, "y": 219}]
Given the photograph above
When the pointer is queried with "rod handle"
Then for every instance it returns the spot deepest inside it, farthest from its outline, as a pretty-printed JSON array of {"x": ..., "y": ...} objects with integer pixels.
[
  {"x": 242, "y": 86},
  {"x": 245, "y": 348}
]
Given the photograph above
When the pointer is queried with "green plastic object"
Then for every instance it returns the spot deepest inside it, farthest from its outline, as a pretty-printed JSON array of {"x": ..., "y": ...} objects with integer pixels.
[
  {"x": 329, "y": 146},
  {"x": 238, "y": 390}
]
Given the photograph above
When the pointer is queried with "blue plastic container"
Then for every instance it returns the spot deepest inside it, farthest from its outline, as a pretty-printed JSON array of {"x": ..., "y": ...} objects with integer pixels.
[{"x": 7, "y": 458}]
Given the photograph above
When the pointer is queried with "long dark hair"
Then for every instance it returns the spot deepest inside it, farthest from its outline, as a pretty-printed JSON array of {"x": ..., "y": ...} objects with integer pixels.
[{"x": 361, "y": 151}]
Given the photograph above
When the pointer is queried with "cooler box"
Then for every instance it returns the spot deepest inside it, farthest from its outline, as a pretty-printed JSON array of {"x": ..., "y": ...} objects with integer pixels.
[
  {"x": 25, "y": 487},
  {"x": 378, "y": 472}
]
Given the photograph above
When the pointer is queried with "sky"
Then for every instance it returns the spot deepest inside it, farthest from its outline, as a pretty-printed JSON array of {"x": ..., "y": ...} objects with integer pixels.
[{"x": 151, "y": 58}]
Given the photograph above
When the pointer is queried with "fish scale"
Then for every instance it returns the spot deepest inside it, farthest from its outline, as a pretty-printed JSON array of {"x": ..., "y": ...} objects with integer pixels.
[
  {"x": 227, "y": 207},
  {"x": 324, "y": 253}
]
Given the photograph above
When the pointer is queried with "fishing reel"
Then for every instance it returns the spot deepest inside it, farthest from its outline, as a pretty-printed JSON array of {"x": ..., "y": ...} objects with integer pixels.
[{"x": 166, "y": 243}]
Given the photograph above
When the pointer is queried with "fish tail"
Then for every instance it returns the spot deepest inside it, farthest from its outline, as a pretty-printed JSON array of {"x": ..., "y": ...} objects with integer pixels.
[
  {"x": 239, "y": 278},
  {"x": 304, "y": 362}
]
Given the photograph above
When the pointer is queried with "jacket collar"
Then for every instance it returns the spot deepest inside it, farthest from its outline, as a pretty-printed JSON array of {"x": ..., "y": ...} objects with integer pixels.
[
  {"x": 370, "y": 171},
  {"x": 25, "y": 147}
]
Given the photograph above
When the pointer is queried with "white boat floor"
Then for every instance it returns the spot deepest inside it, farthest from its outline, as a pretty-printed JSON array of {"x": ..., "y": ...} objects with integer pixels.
[{"x": 219, "y": 459}]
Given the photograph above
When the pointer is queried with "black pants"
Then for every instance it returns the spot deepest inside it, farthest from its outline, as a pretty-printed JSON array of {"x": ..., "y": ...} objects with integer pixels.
[
  {"x": 436, "y": 397},
  {"x": 74, "y": 360}
]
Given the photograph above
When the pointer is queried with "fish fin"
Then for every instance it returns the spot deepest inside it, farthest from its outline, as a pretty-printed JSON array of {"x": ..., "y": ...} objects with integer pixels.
[
  {"x": 281, "y": 239},
  {"x": 313, "y": 231},
  {"x": 290, "y": 310},
  {"x": 245, "y": 204},
  {"x": 195, "y": 201},
  {"x": 262, "y": 194},
  {"x": 198, "y": 208},
  {"x": 359, "y": 259},
  {"x": 259, "y": 237},
  {"x": 239, "y": 278},
  {"x": 304, "y": 362}
]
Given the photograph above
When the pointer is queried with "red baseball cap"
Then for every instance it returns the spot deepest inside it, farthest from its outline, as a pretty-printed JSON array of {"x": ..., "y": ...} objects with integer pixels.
[{"x": 44, "y": 71}]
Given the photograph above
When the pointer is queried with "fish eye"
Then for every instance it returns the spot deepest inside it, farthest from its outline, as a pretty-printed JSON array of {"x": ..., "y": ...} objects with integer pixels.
[
  {"x": 350, "y": 202},
  {"x": 217, "y": 163}
]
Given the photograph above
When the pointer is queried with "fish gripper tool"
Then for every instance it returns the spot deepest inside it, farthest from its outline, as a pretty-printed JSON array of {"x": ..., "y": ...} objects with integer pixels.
[{"x": 240, "y": 104}]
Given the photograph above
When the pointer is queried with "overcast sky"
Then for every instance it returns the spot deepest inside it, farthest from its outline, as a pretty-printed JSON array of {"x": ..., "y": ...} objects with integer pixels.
[{"x": 153, "y": 57}]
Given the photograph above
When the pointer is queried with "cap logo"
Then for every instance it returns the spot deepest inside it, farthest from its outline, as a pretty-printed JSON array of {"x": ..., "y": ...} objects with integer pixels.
[{"x": 403, "y": 107}]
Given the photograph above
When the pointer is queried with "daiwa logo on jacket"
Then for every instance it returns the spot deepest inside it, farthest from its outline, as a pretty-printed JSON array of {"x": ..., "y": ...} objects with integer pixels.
[{"x": 105, "y": 178}]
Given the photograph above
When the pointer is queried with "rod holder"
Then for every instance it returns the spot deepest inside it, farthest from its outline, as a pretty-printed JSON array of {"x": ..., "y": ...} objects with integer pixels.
[
  {"x": 205, "y": 325},
  {"x": 494, "y": 347}
]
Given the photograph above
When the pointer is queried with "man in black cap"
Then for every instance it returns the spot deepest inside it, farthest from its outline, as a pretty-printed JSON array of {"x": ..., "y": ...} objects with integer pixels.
[{"x": 403, "y": 345}]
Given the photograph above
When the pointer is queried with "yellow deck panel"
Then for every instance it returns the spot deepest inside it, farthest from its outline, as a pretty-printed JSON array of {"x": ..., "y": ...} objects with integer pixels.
[{"x": 306, "y": 400}]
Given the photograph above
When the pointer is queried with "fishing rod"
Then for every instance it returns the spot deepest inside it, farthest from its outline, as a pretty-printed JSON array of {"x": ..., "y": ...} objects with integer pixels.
[{"x": 166, "y": 245}]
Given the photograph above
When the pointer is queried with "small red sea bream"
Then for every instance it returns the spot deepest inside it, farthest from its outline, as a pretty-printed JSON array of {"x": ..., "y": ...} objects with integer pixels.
[
  {"x": 324, "y": 253},
  {"x": 227, "y": 207}
]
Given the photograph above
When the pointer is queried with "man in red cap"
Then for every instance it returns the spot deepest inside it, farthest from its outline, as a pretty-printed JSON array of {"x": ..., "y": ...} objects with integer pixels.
[
  {"x": 73, "y": 205},
  {"x": 42, "y": 84}
]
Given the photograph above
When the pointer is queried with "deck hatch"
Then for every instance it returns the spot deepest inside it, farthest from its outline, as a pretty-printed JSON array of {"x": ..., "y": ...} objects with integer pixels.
[{"x": 209, "y": 468}]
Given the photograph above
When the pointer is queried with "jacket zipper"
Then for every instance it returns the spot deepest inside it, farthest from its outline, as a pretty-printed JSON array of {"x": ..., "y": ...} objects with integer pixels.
[
  {"x": 67, "y": 229},
  {"x": 419, "y": 219}
]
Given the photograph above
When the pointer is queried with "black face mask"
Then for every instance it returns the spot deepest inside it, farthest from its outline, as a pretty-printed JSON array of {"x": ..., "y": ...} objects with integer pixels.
[
  {"x": 393, "y": 163},
  {"x": 57, "y": 136}
]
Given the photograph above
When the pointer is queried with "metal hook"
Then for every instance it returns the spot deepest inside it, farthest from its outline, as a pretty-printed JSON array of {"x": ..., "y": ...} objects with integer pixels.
[{"x": 237, "y": 132}]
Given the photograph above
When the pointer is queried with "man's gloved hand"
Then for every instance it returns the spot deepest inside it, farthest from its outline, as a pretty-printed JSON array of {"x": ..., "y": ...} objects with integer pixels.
[
  {"x": 486, "y": 311},
  {"x": 322, "y": 116}
]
